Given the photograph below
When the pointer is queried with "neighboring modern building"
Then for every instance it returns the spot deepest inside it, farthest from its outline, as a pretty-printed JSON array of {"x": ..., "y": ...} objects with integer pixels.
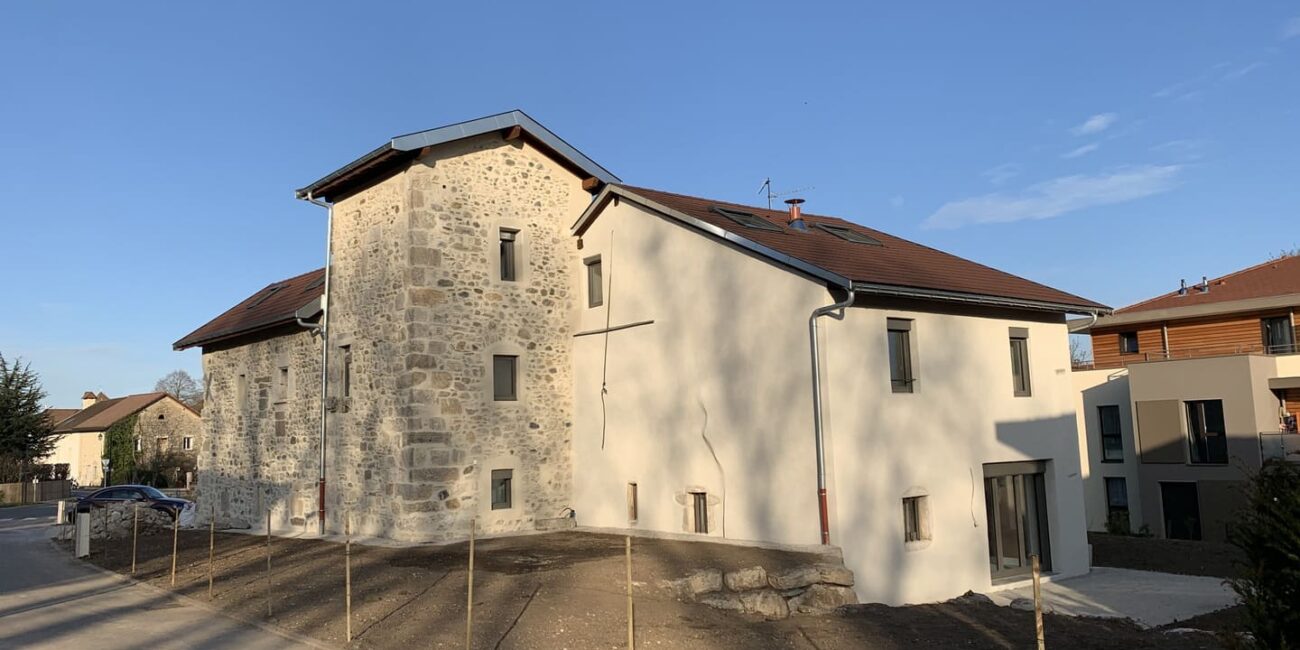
[
  {"x": 163, "y": 425},
  {"x": 1188, "y": 394},
  {"x": 518, "y": 339}
]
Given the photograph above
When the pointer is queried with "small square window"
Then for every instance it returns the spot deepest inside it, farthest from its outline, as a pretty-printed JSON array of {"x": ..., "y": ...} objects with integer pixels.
[
  {"x": 505, "y": 378},
  {"x": 916, "y": 515},
  {"x": 160, "y": 444},
  {"x": 1128, "y": 342},
  {"x": 595, "y": 283},
  {"x": 507, "y": 254},
  {"x": 502, "y": 489},
  {"x": 187, "y": 443}
]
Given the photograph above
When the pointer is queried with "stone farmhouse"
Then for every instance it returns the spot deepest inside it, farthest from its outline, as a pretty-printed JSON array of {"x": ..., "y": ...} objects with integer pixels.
[
  {"x": 163, "y": 425},
  {"x": 514, "y": 337}
]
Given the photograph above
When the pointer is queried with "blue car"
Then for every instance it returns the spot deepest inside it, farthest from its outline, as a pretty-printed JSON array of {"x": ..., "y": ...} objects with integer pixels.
[{"x": 143, "y": 494}]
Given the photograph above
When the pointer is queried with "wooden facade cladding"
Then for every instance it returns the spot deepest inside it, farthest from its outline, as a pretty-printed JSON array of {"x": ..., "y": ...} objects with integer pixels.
[{"x": 1202, "y": 337}]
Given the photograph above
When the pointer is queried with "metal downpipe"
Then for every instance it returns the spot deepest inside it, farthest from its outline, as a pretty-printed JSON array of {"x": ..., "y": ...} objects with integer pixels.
[
  {"x": 324, "y": 357},
  {"x": 835, "y": 311}
]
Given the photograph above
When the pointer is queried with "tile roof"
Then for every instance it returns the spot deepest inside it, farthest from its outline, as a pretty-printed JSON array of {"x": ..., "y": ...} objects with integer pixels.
[
  {"x": 57, "y": 416},
  {"x": 102, "y": 415},
  {"x": 274, "y": 305},
  {"x": 896, "y": 261},
  {"x": 1277, "y": 277}
]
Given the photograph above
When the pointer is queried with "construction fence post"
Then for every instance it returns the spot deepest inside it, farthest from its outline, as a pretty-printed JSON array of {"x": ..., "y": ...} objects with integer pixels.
[
  {"x": 469, "y": 598},
  {"x": 1038, "y": 604},
  {"x": 176, "y": 527}
]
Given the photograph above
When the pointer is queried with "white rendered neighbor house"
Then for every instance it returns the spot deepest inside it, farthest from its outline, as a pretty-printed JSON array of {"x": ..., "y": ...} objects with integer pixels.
[{"x": 516, "y": 336}]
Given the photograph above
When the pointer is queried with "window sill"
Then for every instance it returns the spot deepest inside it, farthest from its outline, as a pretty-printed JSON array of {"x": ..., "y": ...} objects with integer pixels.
[
  {"x": 918, "y": 545},
  {"x": 1113, "y": 462}
]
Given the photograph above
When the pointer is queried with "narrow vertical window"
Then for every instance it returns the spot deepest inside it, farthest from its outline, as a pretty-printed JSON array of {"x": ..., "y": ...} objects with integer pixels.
[
  {"x": 507, "y": 247},
  {"x": 505, "y": 378},
  {"x": 1207, "y": 438},
  {"x": 241, "y": 393},
  {"x": 631, "y": 503},
  {"x": 282, "y": 389},
  {"x": 1020, "y": 361},
  {"x": 345, "y": 373},
  {"x": 1112, "y": 441},
  {"x": 901, "y": 376},
  {"x": 1117, "y": 503},
  {"x": 700, "y": 506},
  {"x": 187, "y": 443},
  {"x": 502, "y": 488},
  {"x": 915, "y": 519},
  {"x": 595, "y": 282}
]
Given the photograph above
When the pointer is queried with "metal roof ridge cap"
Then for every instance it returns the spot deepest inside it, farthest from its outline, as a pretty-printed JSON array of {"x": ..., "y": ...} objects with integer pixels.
[{"x": 740, "y": 240}]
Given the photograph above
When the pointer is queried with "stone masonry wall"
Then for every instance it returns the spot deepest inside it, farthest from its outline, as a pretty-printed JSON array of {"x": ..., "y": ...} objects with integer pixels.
[
  {"x": 162, "y": 428},
  {"x": 260, "y": 445},
  {"x": 418, "y": 300}
]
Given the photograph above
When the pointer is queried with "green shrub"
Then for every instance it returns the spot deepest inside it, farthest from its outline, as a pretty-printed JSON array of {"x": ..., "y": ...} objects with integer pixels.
[{"x": 1268, "y": 532}]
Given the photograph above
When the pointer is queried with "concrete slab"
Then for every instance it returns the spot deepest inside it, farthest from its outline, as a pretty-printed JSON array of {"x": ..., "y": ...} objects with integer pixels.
[{"x": 1151, "y": 599}]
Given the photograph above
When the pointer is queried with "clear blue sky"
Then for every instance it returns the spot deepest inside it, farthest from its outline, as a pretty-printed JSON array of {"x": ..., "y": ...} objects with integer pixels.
[{"x": 148, "y": 151}]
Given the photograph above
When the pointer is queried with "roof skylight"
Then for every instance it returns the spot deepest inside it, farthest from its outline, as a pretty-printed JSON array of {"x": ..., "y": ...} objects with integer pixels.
[
  {"x": 848, "y": 234},
  {"x": 747, "y": 219}
]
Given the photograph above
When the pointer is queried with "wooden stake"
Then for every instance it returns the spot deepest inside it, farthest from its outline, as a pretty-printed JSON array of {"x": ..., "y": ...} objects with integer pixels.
[
  {"x": 1038, "y": 604},
  {"x": 176, "y": 528},
  {"x": 631, "y": 637},
  {"x": 469, "y": 599},
  {"x": 268, "y": 563},
  {"x": 135, "y": 535},
  {"x": 347, "y": 569},
  {"x": 212, "y": 546}
]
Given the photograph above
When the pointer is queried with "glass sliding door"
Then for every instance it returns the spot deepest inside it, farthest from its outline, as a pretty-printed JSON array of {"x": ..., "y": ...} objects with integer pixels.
[{"x": 1016, "y": 502}]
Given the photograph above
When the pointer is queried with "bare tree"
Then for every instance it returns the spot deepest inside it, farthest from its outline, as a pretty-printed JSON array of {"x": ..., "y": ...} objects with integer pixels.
[
  {"x": 182, "y": 386},
  {"x": 1080, "y": 355}
]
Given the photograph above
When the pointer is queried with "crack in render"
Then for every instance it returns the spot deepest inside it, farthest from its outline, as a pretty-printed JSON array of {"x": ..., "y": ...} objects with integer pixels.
[
  {"x": 518, "y": 616},
  {"x": 399, "y": 608}
]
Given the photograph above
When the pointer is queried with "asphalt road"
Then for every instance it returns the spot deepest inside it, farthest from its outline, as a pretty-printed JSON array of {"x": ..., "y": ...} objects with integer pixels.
[{"x": 50, "y": 600}]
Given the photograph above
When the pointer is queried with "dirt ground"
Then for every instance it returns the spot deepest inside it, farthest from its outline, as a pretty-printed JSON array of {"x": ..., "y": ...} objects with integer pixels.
[{"x": 566, "y": 590}]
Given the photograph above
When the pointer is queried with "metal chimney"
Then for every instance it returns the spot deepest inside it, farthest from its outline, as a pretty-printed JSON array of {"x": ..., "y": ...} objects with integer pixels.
[
  {"x": 1205, "y": 284},
  {"x": 796, "y": 215},
  {"x": 1182, "y": 287}
]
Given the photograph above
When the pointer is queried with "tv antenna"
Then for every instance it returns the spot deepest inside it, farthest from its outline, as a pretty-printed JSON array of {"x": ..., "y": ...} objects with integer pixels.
[{"x": 766, "y": 188}]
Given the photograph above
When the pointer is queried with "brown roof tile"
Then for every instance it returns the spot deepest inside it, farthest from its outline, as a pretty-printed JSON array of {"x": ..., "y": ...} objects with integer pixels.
[
  {"x": 102, "y": 415},
  {"x": 896, "y": 262},
  {"x": 273, "y": 305},
  {"x": 1279, "y": 277},
  {"x": 57, "y": 416}
]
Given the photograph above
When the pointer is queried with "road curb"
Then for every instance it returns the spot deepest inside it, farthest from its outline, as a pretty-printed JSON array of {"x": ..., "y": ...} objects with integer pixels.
[{"x": 194, "y": 602}]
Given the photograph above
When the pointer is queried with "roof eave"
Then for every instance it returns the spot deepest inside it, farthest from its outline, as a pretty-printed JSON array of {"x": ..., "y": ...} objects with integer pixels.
[{"x": 977, "y": 299}]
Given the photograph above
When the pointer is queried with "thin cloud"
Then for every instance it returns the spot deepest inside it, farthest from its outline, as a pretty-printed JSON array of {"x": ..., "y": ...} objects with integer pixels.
[
  {"x": 1243, "y": 70},
  {"x": 1291, "y": 28},
  {"x": 1081, "y": 151},
  {"x": 1056, "y": 197},
  {"x": 1095, "y": 124},
  {"x": 897, "y": 201},
  {"x": 1002, "y": 173}
]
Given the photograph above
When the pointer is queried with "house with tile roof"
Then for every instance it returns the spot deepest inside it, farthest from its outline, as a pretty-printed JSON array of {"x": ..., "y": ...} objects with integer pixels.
[
  {"x": 1187, "y": 393},
  {"x": 163, "y": 425},
  {"x": 511, "y": 338}
]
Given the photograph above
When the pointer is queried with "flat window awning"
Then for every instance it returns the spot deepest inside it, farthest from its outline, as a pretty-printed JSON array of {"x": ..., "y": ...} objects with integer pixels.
[{"x": 1283, "y": 383}]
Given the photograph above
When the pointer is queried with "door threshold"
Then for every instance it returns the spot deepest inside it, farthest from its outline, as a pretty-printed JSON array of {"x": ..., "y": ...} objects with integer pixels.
[{"x": 1016, "y": 582}]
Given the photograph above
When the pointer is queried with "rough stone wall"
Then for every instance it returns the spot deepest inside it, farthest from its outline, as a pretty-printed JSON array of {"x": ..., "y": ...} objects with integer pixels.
[
  {"x": 260, "y": 445},
  {"x": 417, "y": 310},
  {"x": 417, "y": 296},
  {"x": 163, "y": 426}
]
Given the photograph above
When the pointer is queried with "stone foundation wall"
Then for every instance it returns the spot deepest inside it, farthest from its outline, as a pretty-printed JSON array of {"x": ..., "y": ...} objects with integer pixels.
[
  {"x": 117, "y": 521},
  {"x": 811, "y": 589}
]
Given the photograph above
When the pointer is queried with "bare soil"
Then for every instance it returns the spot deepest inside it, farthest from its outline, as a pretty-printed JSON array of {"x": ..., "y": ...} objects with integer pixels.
[{"x": 565, "y": 590}]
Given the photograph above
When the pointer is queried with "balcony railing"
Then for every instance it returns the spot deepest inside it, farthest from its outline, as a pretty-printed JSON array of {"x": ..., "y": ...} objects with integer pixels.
[
  {"x": 1192, "y": 353},
  {"x": 1280, "y": 445}
]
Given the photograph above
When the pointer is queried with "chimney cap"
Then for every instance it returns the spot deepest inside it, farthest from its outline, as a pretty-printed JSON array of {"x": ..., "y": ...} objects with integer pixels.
[
  {"x": 793, "y": 201},
  {"x": 88, "y": 395}
]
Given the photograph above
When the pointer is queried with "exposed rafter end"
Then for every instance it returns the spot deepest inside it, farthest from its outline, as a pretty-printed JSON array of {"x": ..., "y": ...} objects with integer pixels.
[
  {"x": 592, "y": 184},
  {"x": 514, "y": 133}
]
